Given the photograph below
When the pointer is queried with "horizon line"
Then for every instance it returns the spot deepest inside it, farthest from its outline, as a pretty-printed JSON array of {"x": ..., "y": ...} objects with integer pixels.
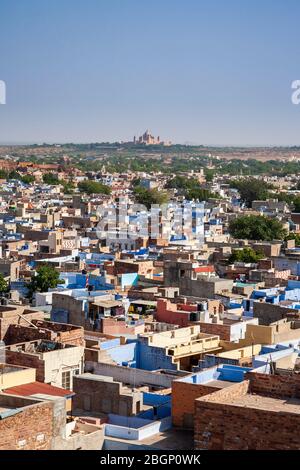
[{"x": 185, "y": 144}]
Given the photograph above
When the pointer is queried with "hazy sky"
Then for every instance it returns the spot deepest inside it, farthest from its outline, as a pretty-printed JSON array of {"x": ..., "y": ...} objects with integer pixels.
[{"x": 207, "y": 72}]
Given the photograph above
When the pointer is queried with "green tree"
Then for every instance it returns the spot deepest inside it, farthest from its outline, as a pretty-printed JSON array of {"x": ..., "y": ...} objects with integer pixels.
[
  {"x": 294, "y": 236},
  {"x": 68, "y": 187},
  {"x": 147, "y": 197},
  {"x": 257, "y": 227},
  {"x": 93, "y": 187},
  {"x": 14, "y": 175},
  {"x": 190, "y": 188},
  {"x": 296, "y": 204},
  {"x": 181, "y": 182},
  {"x": 27, "y": 179},
  {"x": 50, "y": 178},
  {"x": 135, "y": 182},
  {"x": 201, "y": 194},
  {"x": 3, "y": 174},
  {"x": 209, "y": 174},
  {"x": 3, "y": 285},
  {"x": 251, "y": 189},
  {"x": 47, "y": 277},
  {"x": 245, "y": 255},
  {"x": 287, "y": 198}
]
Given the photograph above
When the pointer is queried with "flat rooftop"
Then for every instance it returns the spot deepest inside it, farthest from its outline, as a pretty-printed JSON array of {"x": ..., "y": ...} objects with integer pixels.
[
  {"x": 108, "y": 303},
  {"x": 7, "y": 368},
  {"x": 96, "y": 377},
  {"x": 218, "y": 383},
  {"x": 152, "y": 303},
  {"x": 39, "y": 346},
  {"x": 172, "y": 439},
  {"x": 289, "y": 405}
]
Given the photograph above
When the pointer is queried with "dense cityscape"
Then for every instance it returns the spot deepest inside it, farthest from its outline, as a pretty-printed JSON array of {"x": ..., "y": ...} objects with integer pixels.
[
  {"x": 149, "y": 233},
  {"x": 147, "y": 291}
]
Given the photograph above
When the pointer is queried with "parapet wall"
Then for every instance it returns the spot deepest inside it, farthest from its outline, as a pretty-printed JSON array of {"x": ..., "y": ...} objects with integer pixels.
[
  {"x": 136, "y": 377},
  {"x": 277, "y": 386},
  {"x": 223, "y": 423}
]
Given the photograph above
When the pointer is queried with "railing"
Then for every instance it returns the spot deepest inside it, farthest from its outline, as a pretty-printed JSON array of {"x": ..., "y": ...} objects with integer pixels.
[{"x": 197, "y": 346}]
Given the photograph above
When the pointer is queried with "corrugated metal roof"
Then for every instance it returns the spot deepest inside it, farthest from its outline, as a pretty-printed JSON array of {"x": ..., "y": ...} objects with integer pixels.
[{"x": 34, "y": 388}]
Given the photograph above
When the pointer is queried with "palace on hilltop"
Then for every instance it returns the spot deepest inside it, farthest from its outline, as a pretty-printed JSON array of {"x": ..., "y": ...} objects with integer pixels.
[{"x": 148, "y": 139}]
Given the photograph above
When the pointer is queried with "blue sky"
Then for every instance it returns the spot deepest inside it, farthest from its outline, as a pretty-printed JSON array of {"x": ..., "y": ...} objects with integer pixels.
[{"x": 200, "y": 71}]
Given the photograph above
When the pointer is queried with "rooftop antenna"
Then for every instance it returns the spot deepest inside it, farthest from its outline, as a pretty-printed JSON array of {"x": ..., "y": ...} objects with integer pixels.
[
  {"x": 272, "y": 366},
  {"x": 252, "y": 344}
]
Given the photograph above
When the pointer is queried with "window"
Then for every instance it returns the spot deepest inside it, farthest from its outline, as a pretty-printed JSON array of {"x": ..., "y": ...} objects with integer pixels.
[
  {"x": 76, "y": 371},
  {"x": 66, "y": 380}
]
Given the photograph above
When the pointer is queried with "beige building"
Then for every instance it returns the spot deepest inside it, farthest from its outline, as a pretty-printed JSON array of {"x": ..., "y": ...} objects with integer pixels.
[
  {"x": 96, "y": 393},
  {"x": 56, "y": 363},
  {"x": 148, "y": 139},
  {"x": 10, "y": 269},
  {"x": 12, "y": 376},
  {"x": 182, "y": 347}
]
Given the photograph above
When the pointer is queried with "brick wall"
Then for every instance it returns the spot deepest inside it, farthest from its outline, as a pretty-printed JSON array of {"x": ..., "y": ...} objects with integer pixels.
[
  {"x": 12, "y": 318},
  {"x": 270, "y": 313},
  {"x": 32, "y": 429},
  {"x": 277, "y": 386},
  {"x": 19, "y": 334},
  {"x": 74, "y": 337},
  {"x": 140, "y": 294},
  {"x": 224, "y": 331},
  {"x": 167, "y": 312},
  {"x": 226, "y": 426},
  {"x": 27, "y": 360},
  {"x": 104, "y": 397},
  {"x": 45, "y": 330},
  {"x": 227, "y": 393},
  {"x": 183, "y": 402},
  {"x": 110, "y": 326},
  {"x": 123, "y": 267},
  {"x": 64, "y": 333}
]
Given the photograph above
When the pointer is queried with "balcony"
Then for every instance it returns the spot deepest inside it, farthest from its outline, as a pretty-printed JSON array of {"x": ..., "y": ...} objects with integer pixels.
[{"x": 202, "y": 344}]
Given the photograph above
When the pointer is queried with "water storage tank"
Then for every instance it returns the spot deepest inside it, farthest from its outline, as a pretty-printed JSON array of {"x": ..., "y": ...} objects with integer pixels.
[
  {"x": 202, "y": 306},
  {"x": 195, "y": 316}
]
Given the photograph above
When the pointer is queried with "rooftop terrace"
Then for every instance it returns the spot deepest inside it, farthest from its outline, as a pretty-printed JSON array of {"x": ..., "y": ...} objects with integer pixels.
[
  {"x": 290, "y": 405},
  {"x": 8, "y": 369},
  {"x": 38, "y": 347}
]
